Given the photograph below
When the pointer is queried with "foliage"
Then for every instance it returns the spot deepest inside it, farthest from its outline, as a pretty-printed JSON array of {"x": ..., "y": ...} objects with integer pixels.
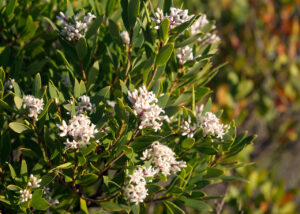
[{"x": 52, "y": 162}]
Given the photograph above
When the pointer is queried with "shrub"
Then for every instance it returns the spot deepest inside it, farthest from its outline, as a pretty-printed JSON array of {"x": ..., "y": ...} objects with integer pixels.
[{"x": 95, "y": 116}]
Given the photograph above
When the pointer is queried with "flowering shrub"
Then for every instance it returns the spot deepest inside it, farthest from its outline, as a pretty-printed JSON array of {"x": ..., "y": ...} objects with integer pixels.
[{"x": 117, "y": 116}]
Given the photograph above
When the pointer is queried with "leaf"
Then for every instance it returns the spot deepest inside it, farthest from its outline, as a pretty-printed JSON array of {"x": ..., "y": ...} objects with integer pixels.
[
  {"x": 111, "y": 206},
  {"x": 18, "y": 127},
  {"x": 10, "y": 7},
  {"x": 142, "y": 142},
  {"x": 38, "y": 202},
  {"x": 153, "y": 188},
  {"x": 213, "y": 173},
  {"x": 82, "y": 88},
  {"x": 87, "y": 179},
  {"x": 135, "y": 209},
  {"x": 13, "y": 187},
  {"x": 70, "y": 11},
  {"x": 45, "y": 110},
  {"x": 239, "y": 146},
  {"x": 81, "y": 48},
  {"x": 104, "y": 92},
  {"x": 164, "y": 54},
  {"x": 2, "y": 74},
  {"x": 93, "y": 29},
  {"x": 133, "y": 11},
  {"x": 164, "y": 29},
  {"x": 188, "y": 143},
  {"x": 233, "y": 178},
  {"x": 174, "y": 207},
  {"x": 77, "y": 91},
  {"x": 188, "y": 41},
  {"x": 51, "y": 23},
  {"x": 48, "y": 178},
  {"x": 18, "y": 102},
  {"x": 197, "y": 204},
  {"x": 12, "y": 171},
  {"x": 207, "y": 107},
  {"x": 23, "y": 171},
  {"x": 83, "y": 207},
  {"x": 62, "y": 166},
  {"x": 4, "y": 105},
  {"x": 37, "y": 85}
]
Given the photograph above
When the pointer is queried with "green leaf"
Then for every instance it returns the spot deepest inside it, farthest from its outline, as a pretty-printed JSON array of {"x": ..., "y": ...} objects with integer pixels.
[
  {"x": 114, "y": 31},
  {"x": 62, "y": 166},
  {"x": 45, "y": 110},
  {"x": 87, "y": 179},
  {"x": 18, "y": 127},
  {"x": 12, "y": 171},
  {"x": 51, "y": 23},
  {"x": 164, "y": 29},
  {"x": 18, "y": 102},
  {"x": 164, "y": 54},
  {"x": 13, "y": 187},
  {"x": 184, "y": 26},
  {"x": 63, "y": 58},
  {"x": 10, "y": 7},
  {"x": 188, "y": 143},
  {"x": 38, "y": 202},
  {"x": 188, "y": 41},
  {"x": 207, "y": 107},
  {"x": 233, "y": 178},
  {"x": 111, "y": 206},
  {"x": 213, "y": 173},
  {"x": 142, "y": 142},
  {"x": 77, "y": 91},
  {"x": 47, "y": 179},
  {"x": 83, "y": 207},
  {"x": 239, "y": 146},
  {"x": 133, "y": 11},
  {"x": 153, "y": 188},
  {"x": 4, "y": 105},
  {"x": 81, "y": 48},
  {"x": 93, "y": 29},
  {"x": 70, "y": 11},
  {"x": 104, "y": 92},
  {"x": 135, "y": 209},
  {"x": 173, "y": 207},
  {"x": 2, "y": 74},
  {"x": 37, "y": 85},
  {"x": 24, "y": 171},
  {"x": 197, "y": 205}
]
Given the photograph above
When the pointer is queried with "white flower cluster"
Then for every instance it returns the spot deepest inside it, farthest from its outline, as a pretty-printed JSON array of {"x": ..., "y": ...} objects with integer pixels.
[
  {"x": 145, "y": 106},
  {"x": 32, "y": 183},
  {"x": 209, "y": 122},
  {"x": 135, "y": 191},
  {"x": 77, "y": 29},
  {"x": 185, "y": 54},
  {"x": 84, "y": 104},
  {"x": 125, "y": 37},
  {"x": 163, "y": 160},
  {"x": 80, "y": 128},
  {"x": 176, "y": 17},
  {"x": 25, "y": 195},
  {"x": 209, "y": 38},
  {"x": 34, "y": 105}
]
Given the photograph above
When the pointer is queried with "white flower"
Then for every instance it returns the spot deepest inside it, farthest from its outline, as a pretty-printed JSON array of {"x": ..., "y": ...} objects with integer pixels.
[
  {"x": 125, "y": 37},
  {"x": 185, "y": 54},
  {"x": 74, "y": 30},
  {"x": 48, "y": 197},
  {"x": 176, "y": 17},
  {"x": 34, "y": 182},
  {"x": 34, "y": 105},
  {"x": 210, "y": 124},
  {"x": 200, "y": 23},
  {"x": 25, "y": 195},
  {"x": 84, "y": 104},
  {"x": 145, "y": 106},
  {"x": 80, "y": 128}
]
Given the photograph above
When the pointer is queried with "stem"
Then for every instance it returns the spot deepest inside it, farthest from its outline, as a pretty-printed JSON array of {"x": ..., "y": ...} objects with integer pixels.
[
  {"x": 75, "y": 168},
  {"x": 101, "y": 200},
  {"x": 129, "y": 56},
  {"x": 42, "y": 142},
  {"x": 177, "y": 79},
  {"x": 83, "y": 72},
  {"x": 119, "y": 156},
  {"x": 152, "y": 77},
  {"x": 118, "y": 136},
  {"x": 159, "y": 199}
]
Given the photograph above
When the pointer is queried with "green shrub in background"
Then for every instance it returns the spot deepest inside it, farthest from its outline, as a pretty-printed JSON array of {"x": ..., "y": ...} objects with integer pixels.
[{"x": 105, "y": 106}]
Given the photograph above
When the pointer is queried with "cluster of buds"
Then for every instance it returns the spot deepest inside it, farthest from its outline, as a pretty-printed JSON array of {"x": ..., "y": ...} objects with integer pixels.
[
  {"x": 80, "y": 128},
  {"x": 34, "y": 106},
  {"x": 84, "y": 104},
  {"x": 162, "y": 159},
  {"x": 185, "y": 54},
  {"x": 145, "y": 106},
  {"x": 176, "y": 17},
  {"x": 209, "y": 122},
  {"x": 74, "y": 29}
]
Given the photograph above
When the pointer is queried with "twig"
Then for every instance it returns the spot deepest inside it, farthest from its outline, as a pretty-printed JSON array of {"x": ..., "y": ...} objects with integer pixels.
[
  {"x": 129, "y": 55},
  {"x": 152, "y": 77}
]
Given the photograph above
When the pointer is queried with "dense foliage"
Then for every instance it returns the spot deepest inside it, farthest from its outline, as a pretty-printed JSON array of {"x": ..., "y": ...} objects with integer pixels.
[{"x": 106, "y": 106}]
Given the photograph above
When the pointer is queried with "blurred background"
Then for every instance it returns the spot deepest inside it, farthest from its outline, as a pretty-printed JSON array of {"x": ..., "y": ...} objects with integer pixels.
[{"x": 260, "y": 89}]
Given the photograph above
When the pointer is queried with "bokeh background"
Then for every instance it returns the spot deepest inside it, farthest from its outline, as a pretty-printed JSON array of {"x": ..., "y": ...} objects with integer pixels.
[{"x": 260, "y": 89}]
